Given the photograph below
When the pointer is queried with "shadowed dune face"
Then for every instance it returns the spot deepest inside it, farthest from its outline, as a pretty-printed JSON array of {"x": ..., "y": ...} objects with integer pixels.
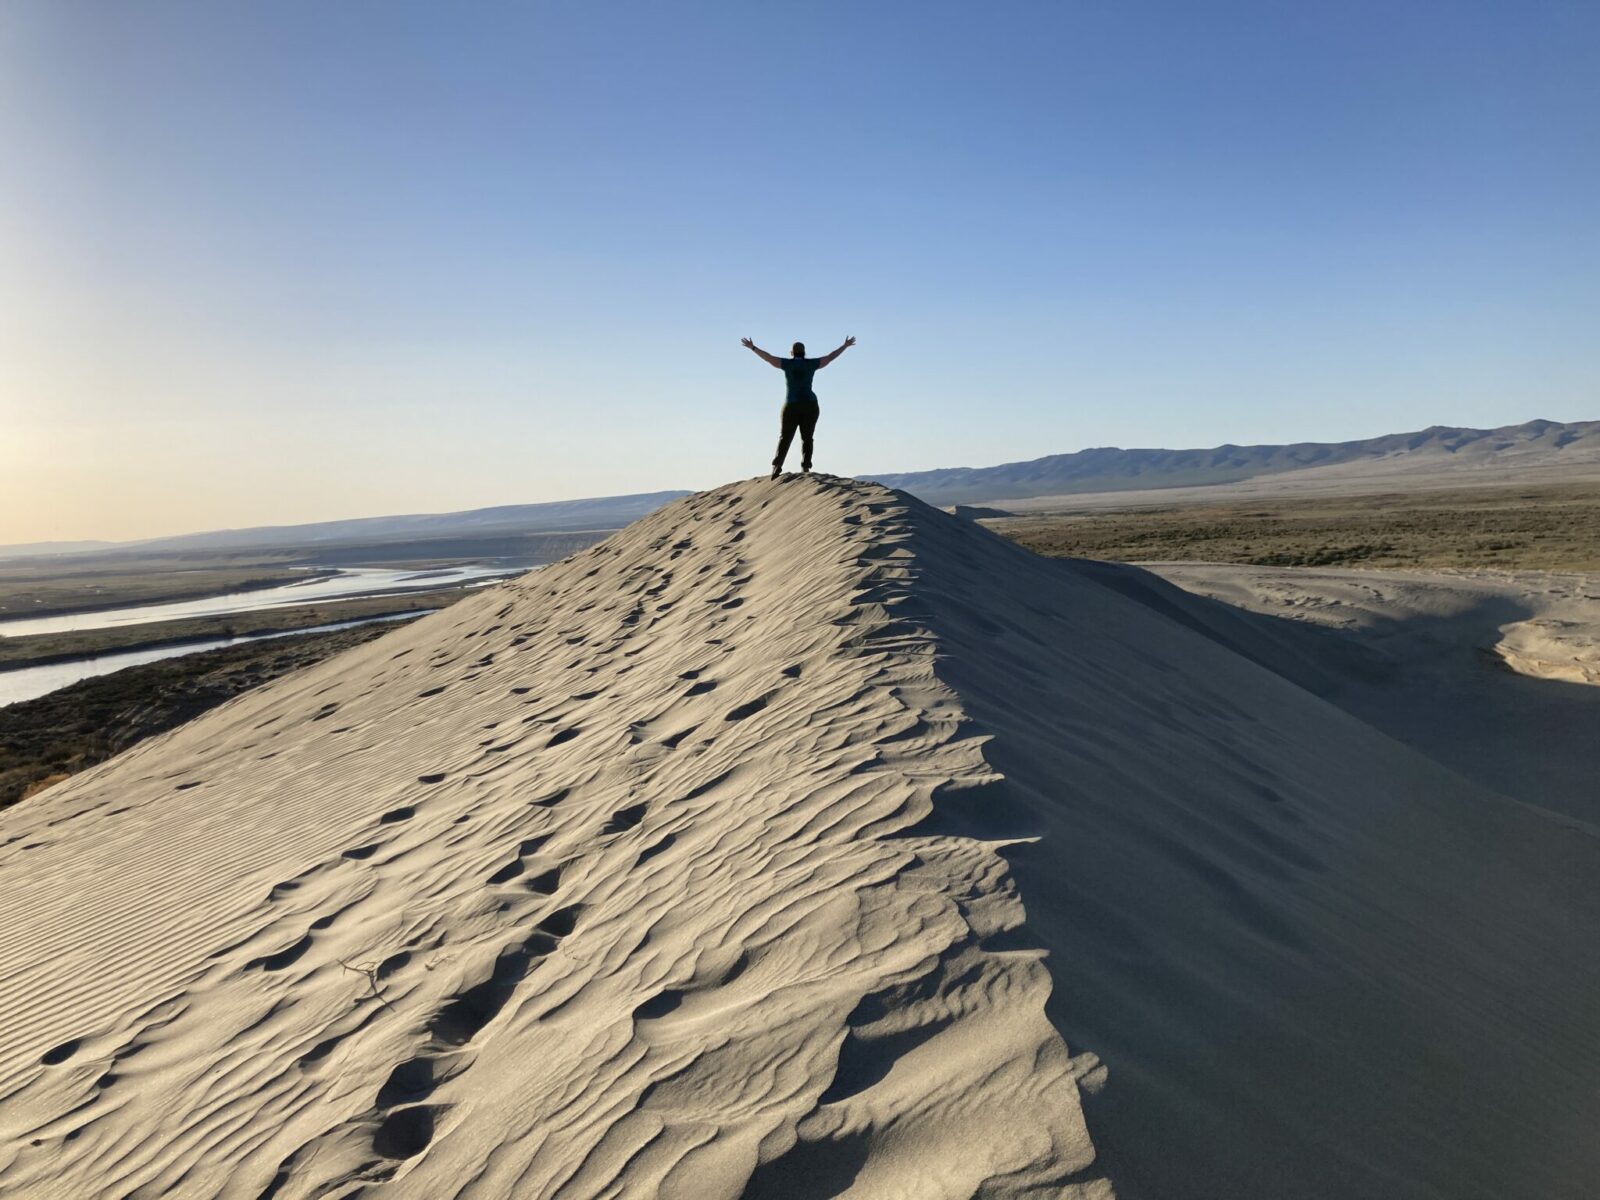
[
  {"x": 1491, "y": 673},
  {"x": 799, "y": 840},
  {"x": 1314, "y": 963}
]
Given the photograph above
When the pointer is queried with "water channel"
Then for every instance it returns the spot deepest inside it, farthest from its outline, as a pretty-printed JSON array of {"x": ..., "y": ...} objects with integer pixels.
[
  {"x": 349, "y": 584},
  {"x": 26, "y": 683}
]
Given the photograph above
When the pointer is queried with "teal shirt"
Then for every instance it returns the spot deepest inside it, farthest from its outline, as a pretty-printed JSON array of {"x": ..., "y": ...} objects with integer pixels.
[{"x": 798, "y": 373}]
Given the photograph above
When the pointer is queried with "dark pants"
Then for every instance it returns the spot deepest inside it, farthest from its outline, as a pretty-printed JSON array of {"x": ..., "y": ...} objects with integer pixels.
[{"x": 801, "y": 415}]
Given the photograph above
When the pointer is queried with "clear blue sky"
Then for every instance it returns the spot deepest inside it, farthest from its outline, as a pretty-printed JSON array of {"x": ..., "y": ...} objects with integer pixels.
[{"x": 282, "y": 261}]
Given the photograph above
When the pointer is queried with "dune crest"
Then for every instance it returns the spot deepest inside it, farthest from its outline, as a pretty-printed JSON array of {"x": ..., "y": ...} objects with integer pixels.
[
  {"x": 606, "y": 879},
  {"x": 798, "y": 841}
]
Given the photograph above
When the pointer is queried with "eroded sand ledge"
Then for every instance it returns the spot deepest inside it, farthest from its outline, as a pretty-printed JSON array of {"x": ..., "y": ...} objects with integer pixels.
[{"x": 723, "y": 859}]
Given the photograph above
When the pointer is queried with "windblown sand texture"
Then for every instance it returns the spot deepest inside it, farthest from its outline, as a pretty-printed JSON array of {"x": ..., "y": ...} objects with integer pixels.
[
  {"x": 1543, "y": 624},
  {"x": 797, "y": 841},
  {"x": 1494, "y": 673}
]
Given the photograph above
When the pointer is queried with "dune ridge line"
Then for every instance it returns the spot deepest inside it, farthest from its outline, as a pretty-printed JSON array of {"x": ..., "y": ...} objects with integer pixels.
[
  {"x": 799, "y": 840},
  {"x": 641, "y": 827}
]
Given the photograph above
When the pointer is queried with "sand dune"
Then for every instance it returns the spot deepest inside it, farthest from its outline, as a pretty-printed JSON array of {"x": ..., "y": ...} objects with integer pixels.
[
  {"x": 798, "y": 841},
  {"x": 1545, "y": 624},
  {"x": 1492, "y": 673}
]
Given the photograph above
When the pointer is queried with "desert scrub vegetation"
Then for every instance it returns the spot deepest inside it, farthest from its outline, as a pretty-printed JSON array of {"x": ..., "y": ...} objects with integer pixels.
[{"x": 1554, "y": 528}]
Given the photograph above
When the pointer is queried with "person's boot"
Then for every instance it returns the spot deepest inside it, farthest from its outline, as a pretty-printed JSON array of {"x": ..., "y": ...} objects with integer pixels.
[{"x": 776, "y": 470}]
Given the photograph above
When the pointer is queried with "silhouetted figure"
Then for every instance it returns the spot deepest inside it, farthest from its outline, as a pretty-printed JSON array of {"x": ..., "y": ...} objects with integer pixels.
[{"x": 800, "y": 406}]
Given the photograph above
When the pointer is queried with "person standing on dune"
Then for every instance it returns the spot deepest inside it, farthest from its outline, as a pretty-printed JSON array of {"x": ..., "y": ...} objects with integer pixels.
[{"x": 800, "y": 405}]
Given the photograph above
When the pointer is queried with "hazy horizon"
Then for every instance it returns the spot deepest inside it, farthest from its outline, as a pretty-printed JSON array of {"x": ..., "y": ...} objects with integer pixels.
[
  {"x": 298, "y": 262},
  {"x": 419, "y": 512}
]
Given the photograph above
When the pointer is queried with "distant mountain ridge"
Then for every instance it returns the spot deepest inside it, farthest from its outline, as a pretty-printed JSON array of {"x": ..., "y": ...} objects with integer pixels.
[
  {"x": 559, "y": 516},
  {"x": 53, "y": 548},
  {"x": 1533, "y": 444},
  {"x": 1111, "y": 468}
]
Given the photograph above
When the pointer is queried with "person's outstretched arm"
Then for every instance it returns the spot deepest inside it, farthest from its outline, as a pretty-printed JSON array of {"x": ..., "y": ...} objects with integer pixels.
[
  {"x": 828, "y": 358},
  {"x": 747, "y": 342}
]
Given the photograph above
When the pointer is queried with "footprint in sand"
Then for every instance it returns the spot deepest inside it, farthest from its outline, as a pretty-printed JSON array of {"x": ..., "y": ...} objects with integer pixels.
[
  {"x": 61, "y": 1053},
  {"x": 283, "y": 958},
  {"x": 747, "y": 710},
  {"x": 404, "y": 1133},
  {"x": 658, "y": 847},
  {"x": 546, "y": 883},
  {"x": 625, "y": 819},
  {"x": 508, "y": 872}
]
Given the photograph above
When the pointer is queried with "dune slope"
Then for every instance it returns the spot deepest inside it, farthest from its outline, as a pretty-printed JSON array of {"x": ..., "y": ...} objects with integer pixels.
[
  {"x": 1492, "y": 673},
  {"x": 798, "y": 841}
]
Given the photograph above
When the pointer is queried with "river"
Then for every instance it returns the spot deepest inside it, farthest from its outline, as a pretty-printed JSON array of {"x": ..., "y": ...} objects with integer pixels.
[
  {"x": 348, "y": 584},
  {"x": 27, "y": 683}
]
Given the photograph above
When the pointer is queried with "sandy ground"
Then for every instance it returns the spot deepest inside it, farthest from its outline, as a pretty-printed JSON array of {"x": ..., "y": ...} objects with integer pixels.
[
  {"x": 1494, "y": 674},
  {"x": 798, "y": 841}
]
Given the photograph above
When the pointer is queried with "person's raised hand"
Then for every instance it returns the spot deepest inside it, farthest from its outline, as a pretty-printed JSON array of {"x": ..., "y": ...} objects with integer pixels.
[
  {"x": 849, "y": 341},
  {"x": 747, "y": 342}
]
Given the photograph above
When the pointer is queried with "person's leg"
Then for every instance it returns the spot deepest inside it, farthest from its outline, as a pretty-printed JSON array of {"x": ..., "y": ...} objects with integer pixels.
[
  {"x": 791, "y": 421},
  {"x": 808, "y": 426}
]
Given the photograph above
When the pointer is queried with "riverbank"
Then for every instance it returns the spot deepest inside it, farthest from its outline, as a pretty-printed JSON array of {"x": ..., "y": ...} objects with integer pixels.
[
  {"x": 50, "y": 587},
  {"x": 43, "y": 649},
  {"x": 69, "y": 730}
]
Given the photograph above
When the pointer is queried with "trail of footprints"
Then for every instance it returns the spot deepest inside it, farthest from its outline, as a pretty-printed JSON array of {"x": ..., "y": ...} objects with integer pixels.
[
  {"x": 401, "y": 1122},
  {"x": 405, "y": 1122}
]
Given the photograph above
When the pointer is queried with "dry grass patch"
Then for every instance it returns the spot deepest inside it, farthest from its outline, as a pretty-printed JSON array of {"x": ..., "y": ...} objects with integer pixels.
[{"x": 1553, "y": 528}]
